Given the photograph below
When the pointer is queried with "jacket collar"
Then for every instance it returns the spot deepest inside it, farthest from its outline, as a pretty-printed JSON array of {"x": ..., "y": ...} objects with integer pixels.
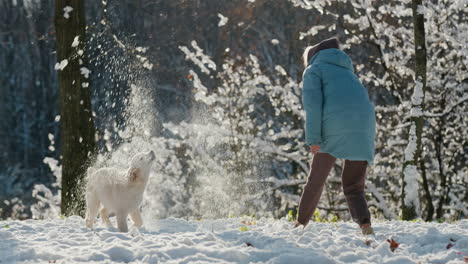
[{"x": 333, "y": 56}]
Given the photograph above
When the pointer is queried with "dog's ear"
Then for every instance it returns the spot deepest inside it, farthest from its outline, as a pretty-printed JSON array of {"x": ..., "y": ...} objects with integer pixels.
[{"x": 134, "y": 174}]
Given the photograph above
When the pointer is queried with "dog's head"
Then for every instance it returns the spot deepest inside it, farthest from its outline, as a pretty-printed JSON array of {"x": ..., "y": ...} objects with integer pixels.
[{"x": 140, "y": 165}]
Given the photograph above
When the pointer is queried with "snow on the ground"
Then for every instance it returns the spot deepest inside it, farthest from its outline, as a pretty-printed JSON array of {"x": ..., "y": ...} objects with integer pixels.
[{"x": 222, "y": 241}]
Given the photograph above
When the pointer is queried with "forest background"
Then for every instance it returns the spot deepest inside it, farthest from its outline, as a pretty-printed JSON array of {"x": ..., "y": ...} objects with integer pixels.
[{"x": 214, "y": 87}]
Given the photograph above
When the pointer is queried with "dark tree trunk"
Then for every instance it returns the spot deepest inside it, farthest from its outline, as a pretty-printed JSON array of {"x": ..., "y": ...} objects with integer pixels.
[
  {"x": 77, "y": 127},
  {"x": 409, "y": 208},
  {"x": 439, "y": 144},
  {"x": 427, "y": 191}
]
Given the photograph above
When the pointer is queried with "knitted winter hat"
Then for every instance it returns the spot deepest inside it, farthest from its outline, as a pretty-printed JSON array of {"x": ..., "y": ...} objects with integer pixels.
[{"x": 331, "y": 43}]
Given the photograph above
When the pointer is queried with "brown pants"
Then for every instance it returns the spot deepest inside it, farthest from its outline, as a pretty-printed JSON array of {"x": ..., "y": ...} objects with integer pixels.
[{"x": 353, "y": 178}]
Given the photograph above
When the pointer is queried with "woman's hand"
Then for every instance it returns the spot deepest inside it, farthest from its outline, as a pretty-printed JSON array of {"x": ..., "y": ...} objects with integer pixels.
[{"x": 314, "y": 149}]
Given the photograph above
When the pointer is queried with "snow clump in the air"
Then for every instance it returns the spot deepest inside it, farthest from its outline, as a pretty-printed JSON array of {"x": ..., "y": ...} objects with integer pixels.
[
  {"x": 85, "y": 71},
  {"x": 61, "y": 65},
  {"x": 66, "y": 11},
  {"x": 76, "y": 42},
  {"x": 223, "y": 20}
]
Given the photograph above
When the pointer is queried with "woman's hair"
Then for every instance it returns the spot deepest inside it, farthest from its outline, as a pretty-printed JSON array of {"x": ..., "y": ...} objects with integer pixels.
[{"x": 310, "y": 51}]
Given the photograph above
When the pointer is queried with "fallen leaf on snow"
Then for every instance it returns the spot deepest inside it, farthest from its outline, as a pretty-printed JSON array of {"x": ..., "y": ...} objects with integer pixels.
[
  {"x": 247, "y": 222},
  {"x": 393, "y": 244}
]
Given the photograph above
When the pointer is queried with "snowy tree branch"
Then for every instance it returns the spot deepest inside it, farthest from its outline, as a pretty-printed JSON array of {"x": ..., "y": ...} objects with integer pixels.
[{"x": 448, "y": 109}]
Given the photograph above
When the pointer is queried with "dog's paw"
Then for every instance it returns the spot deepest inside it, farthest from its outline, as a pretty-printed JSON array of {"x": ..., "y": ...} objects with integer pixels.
[
  {"x": 112, "y": 229},
  {"x": 134, "y": 232},
  {"x": 89, "y": 223}
]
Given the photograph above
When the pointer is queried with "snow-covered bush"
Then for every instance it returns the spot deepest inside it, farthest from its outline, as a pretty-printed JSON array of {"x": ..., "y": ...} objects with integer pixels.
[
  {"x": 48, "y": 201},
  {"x": 251, "y": 125}
]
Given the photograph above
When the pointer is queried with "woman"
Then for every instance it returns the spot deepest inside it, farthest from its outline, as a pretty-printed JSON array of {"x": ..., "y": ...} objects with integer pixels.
[{"x": 340, "y": 123}]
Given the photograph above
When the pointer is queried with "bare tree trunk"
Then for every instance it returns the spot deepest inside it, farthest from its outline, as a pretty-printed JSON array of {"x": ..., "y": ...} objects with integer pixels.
[
  {"x": 439, "y": 144},
  {"x": 77, "y": 127},
  {"x": 427, "y": 191},
  {"x": 410, "y": 196}
]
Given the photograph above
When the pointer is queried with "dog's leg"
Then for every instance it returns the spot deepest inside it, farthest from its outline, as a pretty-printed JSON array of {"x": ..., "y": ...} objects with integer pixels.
[
  {"x": 122, "y": 221},
  {"x": 92, "y": 207},
  {"x": 105, "y": 218},
  {"x": 136, "y": 217}
]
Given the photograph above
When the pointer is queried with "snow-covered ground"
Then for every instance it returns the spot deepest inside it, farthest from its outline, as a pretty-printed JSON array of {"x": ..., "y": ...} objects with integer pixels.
[{"x": 230, "y": 241}]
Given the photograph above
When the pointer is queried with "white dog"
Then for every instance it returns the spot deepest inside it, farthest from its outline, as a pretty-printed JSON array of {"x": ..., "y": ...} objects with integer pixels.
[{"x": 118, "y": 191}]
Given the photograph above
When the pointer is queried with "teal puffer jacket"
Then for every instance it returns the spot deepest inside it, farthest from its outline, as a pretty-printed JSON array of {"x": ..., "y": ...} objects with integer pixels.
[{"x": 339, "y": 115}]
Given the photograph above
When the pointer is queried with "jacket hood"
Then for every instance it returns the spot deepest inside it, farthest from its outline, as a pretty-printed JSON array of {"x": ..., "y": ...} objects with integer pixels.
[{"x": 333, "y": 56}]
